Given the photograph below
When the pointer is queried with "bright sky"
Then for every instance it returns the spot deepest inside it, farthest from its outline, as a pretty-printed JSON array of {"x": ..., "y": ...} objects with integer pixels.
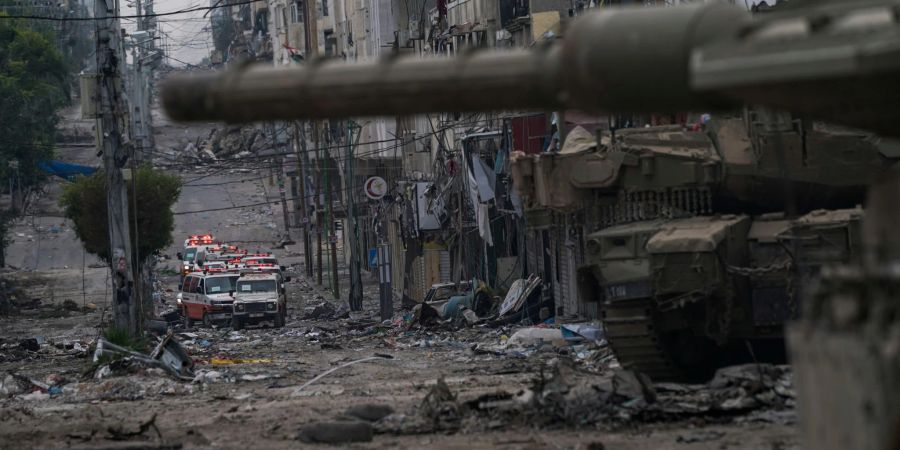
[{"x": 186, "y": 35}]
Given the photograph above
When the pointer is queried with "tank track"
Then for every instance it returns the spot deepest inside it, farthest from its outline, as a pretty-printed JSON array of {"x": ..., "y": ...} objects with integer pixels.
[{"x": 634, "y": 340}]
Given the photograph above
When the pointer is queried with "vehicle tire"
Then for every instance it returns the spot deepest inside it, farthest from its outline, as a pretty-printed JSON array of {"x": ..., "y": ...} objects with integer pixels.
[
  {"x": 237, "y": 324},
  {"x": 188, "y": 322},
  {"x": 279, "y": 320},
  {"x": 206, "y": 322}
]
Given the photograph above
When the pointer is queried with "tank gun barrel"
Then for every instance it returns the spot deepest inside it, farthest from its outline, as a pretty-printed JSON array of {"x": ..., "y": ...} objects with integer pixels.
[
  {"x": 834, "y": 61},
  {"x": 612, "y": 61},
  {"x": 392, "y": 86}
]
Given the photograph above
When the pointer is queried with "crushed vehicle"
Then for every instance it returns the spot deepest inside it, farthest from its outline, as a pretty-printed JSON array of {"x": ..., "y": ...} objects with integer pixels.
[
  {"x": 450, "y": 298},
  {"x": 259, "y": 298},
  {"x": 206, "y": 296}
]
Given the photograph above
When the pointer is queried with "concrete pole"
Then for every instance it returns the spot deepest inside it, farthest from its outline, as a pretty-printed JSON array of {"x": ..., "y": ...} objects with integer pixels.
[
  {"x": 355, "y": 296},
  {"x": 302, "y": 165},
  {"x": 111, "y": 108}
]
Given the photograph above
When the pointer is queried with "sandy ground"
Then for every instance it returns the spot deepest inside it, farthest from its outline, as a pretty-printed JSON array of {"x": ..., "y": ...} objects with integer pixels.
[{"x": 256, "y": 402}]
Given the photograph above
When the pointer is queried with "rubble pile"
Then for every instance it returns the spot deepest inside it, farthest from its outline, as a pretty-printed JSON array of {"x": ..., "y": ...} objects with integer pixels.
[
  {"x": 567, "y": 397},
  {"x": 228, "y": 142}
]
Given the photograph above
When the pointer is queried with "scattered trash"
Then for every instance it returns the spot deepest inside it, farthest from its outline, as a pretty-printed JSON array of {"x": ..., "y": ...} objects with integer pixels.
[
  {"x": 424, "y": 315},
  {"x": 10, "y": 386},
  {"x": 231, "y": 362},
  {"x": 255, "y": 377},
  {"x": 167, "y": 355},
  {"x": 208, "y": 376},
  {"x": 580, "y": 332},
  {"x": 527, "y": 337},
  {"x": 518, "y": 293}
]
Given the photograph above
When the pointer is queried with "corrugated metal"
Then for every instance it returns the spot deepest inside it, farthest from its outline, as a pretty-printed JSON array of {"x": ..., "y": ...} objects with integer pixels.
[
  {"x": 568, "y": 298},
  {"x": 419, "y": 279},
  {"x": 446, "y": 266},
  {"x": 555, "y": 266}
]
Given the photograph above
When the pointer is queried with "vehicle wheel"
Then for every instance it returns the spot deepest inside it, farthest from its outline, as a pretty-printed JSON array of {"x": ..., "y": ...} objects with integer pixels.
[
  {"x": 237, "y": 324},
  {"x": 188, "y": 322},
  {"x": 206, "y": 322},
  {"x": 279, "y": 320}
]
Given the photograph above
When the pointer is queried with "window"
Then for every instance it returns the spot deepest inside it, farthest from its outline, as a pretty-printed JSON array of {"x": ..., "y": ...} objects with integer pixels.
[
  {"x": 324, "y": 8},
  {"x": 256, "y": 286},
  {"x": 297, "y": 12},
  {"x": 192, "y": 286},
  {"x": 279, "y": 17},
  {"x": 185, "y": 284},
  {"x": 219, "y": 285}
]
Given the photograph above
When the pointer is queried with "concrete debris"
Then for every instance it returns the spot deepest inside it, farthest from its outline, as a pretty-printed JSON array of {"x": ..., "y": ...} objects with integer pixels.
[
  {"x": 335, "y": 432},
  {"x": 31, "y": 344},
  {"x": 634, "y": 385},
  {"x": 567, "y": 396},
  {"x": 369, "y": 412},
  {"x": 527, "y": 337},
  {"x": 321, "y": 311}
]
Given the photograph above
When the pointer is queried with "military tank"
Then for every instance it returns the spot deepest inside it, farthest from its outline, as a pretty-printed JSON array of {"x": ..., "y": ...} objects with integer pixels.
[
  {"x": 704, "y": 239},
  {"x": 823, "y": 60}
]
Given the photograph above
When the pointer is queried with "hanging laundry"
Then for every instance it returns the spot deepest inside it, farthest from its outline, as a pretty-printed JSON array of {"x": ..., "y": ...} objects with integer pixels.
[{"x": 485, "y": 179}]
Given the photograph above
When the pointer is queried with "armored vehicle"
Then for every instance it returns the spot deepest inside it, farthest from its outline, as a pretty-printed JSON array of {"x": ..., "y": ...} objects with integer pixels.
[
  {"x": 694, "y": 254},
  {"x": 703, "y": 239}
]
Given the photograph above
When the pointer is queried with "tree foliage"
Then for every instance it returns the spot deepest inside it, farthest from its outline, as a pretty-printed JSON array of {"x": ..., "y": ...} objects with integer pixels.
[
  {"x": 34, "y": 82},
  {"x": 84, "y": 202}
]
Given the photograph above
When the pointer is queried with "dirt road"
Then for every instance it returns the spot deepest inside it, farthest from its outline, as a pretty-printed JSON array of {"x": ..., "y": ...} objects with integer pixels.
[{"x": 445, "y": 388}]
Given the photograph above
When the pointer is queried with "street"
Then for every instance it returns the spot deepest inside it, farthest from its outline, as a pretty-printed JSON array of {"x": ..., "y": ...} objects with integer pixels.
[{"x": 431, "y": 386}]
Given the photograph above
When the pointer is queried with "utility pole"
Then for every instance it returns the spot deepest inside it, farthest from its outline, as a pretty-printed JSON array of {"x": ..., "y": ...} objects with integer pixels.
[
  {"x": 302, "y": 165},
  {"x": 332, "y": 233},
  {"x": 279, "y": 173},
  {"x": 355, "y": 295},
  {"x": 143, "y": 60},
  {"x": 318, "y": 200},
  {"x": 310, "y": 26},
  {"x": 111, "y": 110}
]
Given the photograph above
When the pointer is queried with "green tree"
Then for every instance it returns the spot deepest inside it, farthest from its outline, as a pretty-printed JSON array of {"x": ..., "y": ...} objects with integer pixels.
[
  {"x": 84, "y": 202},
  {"x": 33, "y": 86}
]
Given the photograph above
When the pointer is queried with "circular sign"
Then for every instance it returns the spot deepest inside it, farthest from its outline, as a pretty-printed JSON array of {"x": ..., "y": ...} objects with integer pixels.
[{"x": 376, "y": 188}]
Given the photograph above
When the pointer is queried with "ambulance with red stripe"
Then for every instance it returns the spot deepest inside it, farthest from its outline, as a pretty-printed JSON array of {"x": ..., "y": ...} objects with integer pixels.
[{"x": 205, "y": 296}]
